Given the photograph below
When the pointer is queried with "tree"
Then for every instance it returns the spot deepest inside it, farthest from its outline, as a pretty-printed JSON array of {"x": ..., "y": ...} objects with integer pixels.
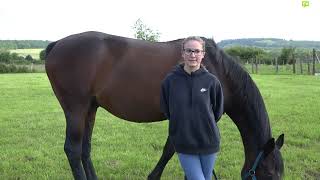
[
  {"x": 29, "y": 57},
  {"x": 266, "y": 58},
  {"x": 42, "y": 54},
  {"x": 143, "y": 32},
  {"x": 303, "y": 54},
  {"x": 245, "y": 53},
  {"x": 286, "y": 55},
  {"x": 4, "y": 56},
  {"x": 14, "y": 56}
]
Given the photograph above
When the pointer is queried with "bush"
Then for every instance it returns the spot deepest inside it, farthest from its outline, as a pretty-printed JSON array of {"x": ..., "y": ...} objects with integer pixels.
[
  {"x": 42, "y": 55},
  {"x": 14, "y": 69},
  {"x": 3, "y": 68},
  {"x": 29, "y": 57},
  {"x": 23, "y": 69},
  {"x": 5, "y": 56}
]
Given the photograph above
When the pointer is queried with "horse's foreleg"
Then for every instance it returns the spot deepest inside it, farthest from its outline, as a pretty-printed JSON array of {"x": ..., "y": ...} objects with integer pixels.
[
  {"x": 168, "y": 152},
  {"x": 86, "y": 144},
  {"x": 73, "y": 143}
]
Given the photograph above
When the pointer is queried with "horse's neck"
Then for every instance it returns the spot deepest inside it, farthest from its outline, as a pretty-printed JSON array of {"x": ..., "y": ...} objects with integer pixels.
[
  {"x": 245, "y": 105},
  {"x": 253, "y": 124}
]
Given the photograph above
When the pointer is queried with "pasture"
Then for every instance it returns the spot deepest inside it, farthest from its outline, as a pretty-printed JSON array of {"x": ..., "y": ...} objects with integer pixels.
[
  {"x": 24, "y": 52},
  {"x": 32, "y": 128}
]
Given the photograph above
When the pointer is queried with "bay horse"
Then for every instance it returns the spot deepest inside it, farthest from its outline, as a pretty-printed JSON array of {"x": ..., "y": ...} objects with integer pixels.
[{"x": 123, "y": 76}]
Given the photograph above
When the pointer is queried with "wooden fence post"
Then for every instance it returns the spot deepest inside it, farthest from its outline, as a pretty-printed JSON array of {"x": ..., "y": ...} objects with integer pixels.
[
  {"x": 256, "y": 62},
  {"x": 277, "y": 65},
  {"x": 308, "y": 63},
  {"x": 293, "y": 64},
  {"x": 314, "y": 62},
  {"x": 252, "y": 66},
  {"x": 301, "y": 69}
]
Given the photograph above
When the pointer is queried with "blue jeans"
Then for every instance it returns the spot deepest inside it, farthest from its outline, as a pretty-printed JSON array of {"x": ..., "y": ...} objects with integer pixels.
[{"x": 197, "y": 166}]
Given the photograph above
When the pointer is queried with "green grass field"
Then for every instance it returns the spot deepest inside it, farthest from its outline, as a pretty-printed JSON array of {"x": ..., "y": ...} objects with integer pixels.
[
  {"x": 32, "y": 129},
  {"x": 24, "y": 52}
]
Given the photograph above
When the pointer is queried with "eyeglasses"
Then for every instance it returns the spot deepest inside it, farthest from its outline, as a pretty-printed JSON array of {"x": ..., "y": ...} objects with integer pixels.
[{"x": 196, "y": 52}]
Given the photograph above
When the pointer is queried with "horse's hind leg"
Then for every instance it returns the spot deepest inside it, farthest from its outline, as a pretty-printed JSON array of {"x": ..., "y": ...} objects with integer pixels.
[
  {"x": 167, "y": 153},
  {"x": 75, "y": 117},
  {"x": 86, "y": 142}
]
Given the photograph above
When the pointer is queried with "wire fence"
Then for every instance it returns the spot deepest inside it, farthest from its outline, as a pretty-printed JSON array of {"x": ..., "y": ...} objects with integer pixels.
[{"x": 306, "y": 66}]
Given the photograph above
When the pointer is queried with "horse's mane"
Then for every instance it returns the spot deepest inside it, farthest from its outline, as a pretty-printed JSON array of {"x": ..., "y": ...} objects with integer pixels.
[
  {"x": 49, "y": 48},
  {"x": 243, "y": 88}
]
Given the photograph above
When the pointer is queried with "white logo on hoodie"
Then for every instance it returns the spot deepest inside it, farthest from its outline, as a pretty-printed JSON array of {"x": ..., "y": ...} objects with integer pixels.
[{"x": 203, "y": 90}]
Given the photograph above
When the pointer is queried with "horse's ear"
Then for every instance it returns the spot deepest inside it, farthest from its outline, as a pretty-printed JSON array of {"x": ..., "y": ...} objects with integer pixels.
[
  {"x": 269, "y": 147},
  {"x": 280, "y": 141}
]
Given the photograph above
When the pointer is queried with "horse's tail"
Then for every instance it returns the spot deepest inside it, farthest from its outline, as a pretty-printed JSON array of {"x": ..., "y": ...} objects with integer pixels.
[{"x": 49, "y": 48}]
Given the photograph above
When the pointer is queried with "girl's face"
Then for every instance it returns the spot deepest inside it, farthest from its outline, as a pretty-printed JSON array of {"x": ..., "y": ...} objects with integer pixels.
[{"x": 193, "y": 54}]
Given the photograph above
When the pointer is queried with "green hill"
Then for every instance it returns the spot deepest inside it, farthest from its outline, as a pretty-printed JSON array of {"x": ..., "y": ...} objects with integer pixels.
[{"x": 269, "y": 43}]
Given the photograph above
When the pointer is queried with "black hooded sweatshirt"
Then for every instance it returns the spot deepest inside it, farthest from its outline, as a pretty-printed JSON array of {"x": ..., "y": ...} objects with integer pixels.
[{"x": 192, "y": 103}]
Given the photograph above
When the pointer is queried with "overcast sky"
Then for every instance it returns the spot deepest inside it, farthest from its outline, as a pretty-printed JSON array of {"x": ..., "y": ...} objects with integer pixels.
[{"x": 220, "y": 19}]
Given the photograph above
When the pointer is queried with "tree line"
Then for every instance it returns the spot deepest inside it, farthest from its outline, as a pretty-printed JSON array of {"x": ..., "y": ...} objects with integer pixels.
[
  {"x": 284, "y": 55},
  {"x": 268, "y": 43},
  {"x": 8, "y": 57},
  {"x": 23, "y": 44}
]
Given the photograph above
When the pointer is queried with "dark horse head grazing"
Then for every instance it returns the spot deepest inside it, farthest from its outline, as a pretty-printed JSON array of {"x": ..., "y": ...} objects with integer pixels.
[{"x": 93, "y": 69}]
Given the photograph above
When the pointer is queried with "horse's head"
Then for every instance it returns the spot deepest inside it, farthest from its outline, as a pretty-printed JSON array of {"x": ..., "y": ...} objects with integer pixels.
[{"x": 268, "y": 165}]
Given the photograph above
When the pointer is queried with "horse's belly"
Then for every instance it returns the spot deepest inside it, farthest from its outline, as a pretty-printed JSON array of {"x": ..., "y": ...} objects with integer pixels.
[{"x": 132, "y": 107}]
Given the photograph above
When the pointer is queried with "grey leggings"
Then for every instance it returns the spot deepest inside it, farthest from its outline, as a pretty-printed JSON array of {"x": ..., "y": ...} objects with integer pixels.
[{"x": 197, "y": 166}]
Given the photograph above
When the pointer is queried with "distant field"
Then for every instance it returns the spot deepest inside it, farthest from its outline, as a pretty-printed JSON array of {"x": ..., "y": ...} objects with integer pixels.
[
  {"x": 24, "y": 52},
  {"x": 32, "y": 129}
]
